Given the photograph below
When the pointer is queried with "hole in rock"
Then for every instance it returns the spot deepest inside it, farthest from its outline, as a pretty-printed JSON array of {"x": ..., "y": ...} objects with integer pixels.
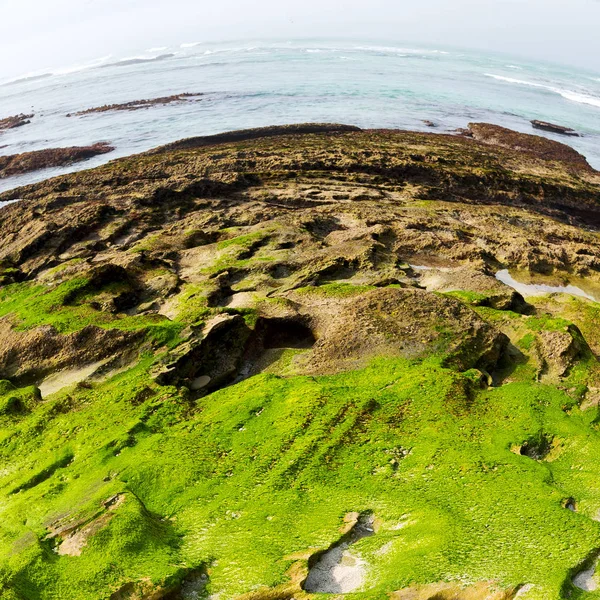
[
  {"x": 537, "y": 448},
  {"x": 270, "y": 339},
  {"x": 231, "y": 352},
  {"x": 284, "y": 333}
]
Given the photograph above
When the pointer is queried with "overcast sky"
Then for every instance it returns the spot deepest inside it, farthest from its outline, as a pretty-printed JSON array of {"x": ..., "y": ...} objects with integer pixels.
[{"x": 42, "y": 34}]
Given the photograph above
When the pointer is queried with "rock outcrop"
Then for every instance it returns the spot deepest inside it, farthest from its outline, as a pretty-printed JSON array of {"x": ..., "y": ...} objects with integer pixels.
[
  {"x": 226, "y": 363},
  {"x": 17, "y": 164},
  {"x": 15, "y": 121},
  {"x": 553, "y": 128},
  {"x": 523, "y": 142},
  {"x": 140, "y": 104}
]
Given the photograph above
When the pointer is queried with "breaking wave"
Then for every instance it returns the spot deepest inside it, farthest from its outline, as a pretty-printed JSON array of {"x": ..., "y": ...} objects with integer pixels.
[
  {"x": 28, "y": 77},
  {"x": 136, "y": 60},
  {"x": 580, "y": 98}
]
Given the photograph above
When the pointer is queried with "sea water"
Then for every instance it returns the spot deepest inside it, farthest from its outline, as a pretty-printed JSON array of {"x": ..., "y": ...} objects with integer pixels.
[{"x": 253, "y": 84}]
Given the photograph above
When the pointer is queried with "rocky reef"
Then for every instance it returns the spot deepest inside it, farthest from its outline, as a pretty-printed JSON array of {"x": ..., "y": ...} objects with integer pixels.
[
  {"x": 554, "y": 128},
  {"x": 15, "y": 121},
  {"x": 278, "y": 363},
  {"x": 26, "y": 162},
  {"x": 140, "y": 104}
]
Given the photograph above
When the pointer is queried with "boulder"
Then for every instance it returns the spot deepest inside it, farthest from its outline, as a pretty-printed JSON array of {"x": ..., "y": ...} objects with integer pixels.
[{"x": 406, "y": 323}]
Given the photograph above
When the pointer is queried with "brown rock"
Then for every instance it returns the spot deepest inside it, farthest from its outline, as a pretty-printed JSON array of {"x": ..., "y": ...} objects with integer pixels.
[
  {"x": 403, "y": 322},
  {"x": 17, "y": 164},
  {"x": 141, "y": 104},
  {"x": 523, "y": 142},
  {"x": 456, "y": 591},
  {"x": 15, "y": 121},
  {"x": 560, "y": 350},
  {"x": 553, "y": 128},
  {"x": 31, "y": 354}
]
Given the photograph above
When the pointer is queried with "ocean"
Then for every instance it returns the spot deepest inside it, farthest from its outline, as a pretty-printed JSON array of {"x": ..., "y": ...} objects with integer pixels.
[{"x": 252, "y": 84}]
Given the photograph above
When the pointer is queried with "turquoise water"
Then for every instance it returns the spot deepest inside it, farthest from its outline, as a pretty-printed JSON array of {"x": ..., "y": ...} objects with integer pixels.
[{"x": 256, "y": 84}]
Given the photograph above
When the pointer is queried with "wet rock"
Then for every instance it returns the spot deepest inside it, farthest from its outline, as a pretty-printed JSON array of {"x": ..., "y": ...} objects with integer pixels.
[
  {"x": 15, "y": 121},
  {"x": 141, "y": 104},
  {"x": 553, "y": 128},
  {"x": 17, "y": 164},
  {"x": 257, "y": 133},
  {"x": 586, "y": 578},
  {"x": 191, "y": 588}
]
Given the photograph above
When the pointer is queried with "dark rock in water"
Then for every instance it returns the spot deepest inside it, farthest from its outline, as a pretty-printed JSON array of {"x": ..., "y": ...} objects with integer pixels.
[
  {"x": 140, "y": 104},
  {"x": 15, "y": 121},
  {"x": 429, "y": 123},
  {"x": 553, "y": 128},
  {"x": 17, "y": 164}
]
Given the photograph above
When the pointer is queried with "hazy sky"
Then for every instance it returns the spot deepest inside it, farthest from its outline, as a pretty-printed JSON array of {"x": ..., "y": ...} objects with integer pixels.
[{"x": 44, "y": 34}]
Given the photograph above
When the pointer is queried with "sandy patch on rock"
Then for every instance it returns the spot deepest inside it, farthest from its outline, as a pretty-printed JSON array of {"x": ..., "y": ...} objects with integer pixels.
[
  {"x": 338, "y": 571},
  {"x": 66, "y": 378},
  {"x": 74, "y": 542},
  {"x": 585, "y": 580}
]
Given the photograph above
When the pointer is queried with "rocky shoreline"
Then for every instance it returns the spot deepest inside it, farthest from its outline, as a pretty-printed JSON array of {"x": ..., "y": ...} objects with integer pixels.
[{"x": 286, "y": 360}]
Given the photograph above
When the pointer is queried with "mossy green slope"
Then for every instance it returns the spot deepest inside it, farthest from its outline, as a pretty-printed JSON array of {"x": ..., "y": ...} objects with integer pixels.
[{"x": 241, "y": 479}]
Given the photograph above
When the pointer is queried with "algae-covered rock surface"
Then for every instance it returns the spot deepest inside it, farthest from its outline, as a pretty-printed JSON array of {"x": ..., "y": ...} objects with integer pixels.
[{"x": 278, "y": 364}]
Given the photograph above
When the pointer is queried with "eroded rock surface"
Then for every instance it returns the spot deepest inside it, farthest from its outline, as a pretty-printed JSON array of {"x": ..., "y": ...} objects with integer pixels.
[{"x": 263, "y": 329}]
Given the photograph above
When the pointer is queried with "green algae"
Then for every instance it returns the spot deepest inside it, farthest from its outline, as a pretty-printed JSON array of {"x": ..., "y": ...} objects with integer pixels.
[{"x": 253, "y": 473}]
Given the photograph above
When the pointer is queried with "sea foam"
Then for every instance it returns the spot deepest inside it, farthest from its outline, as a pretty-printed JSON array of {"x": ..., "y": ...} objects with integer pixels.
[{"x": 579, "y": 97}]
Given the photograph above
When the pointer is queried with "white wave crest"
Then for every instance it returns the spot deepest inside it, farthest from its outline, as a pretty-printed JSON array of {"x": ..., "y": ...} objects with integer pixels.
[
  {"x": 190, "y": 44},
  {"x": 519, "y": 81},
  {"x": 580, "y": 98},
  {"x": 82, "y": 67},
  {"x": 135, "y": 60},
  {"x": 396, "y": 50},
  {"x": 159, "y": 49},
  {"x": 37, "y": 75}
]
